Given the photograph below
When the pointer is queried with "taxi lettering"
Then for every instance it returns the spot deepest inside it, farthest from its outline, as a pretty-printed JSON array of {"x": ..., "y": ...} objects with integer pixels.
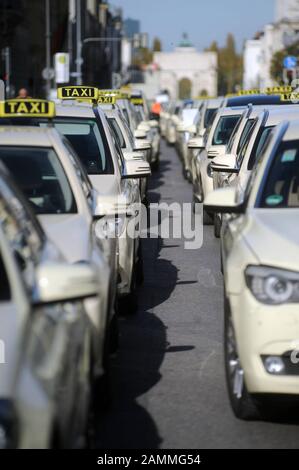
[
  {"x": 29, "y": 107},
  {"x": 74, "y": 92},
  {"x": 109, "y": 99}
]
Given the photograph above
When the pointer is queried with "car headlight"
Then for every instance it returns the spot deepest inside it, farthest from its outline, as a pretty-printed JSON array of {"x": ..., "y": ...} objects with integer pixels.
[{"x": 273, "y": 286}]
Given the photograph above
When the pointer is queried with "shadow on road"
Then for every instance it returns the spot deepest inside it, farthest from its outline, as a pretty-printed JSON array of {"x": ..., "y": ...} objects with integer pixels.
[{"x": 143, "y": 344}]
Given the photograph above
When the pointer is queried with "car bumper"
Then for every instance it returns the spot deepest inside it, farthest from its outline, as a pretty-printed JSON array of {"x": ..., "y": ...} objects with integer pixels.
[{"x": 263, "y": 331}]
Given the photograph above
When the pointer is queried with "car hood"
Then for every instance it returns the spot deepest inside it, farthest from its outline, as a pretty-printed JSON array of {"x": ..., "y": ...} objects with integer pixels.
[
  {"x": 273, "y": 235},
  {"x": 70, "y": 233},
  {"x": 106, "y": 185}
]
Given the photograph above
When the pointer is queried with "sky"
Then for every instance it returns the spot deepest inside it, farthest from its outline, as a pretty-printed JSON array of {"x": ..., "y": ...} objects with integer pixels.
[{"x": 203, "y": 20}]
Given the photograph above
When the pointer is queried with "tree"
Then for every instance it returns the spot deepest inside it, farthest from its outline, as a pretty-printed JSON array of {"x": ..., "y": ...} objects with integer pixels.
[
  {"x": 143, "y": 57},
  {"x": 230, "y": 65},
  {"x": 157, "y": 45}
]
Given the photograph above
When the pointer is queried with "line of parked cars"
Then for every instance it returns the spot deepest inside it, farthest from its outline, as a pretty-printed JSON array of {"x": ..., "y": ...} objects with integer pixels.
[
  {"x": 73, "y": 176},
  {"x": 243, "y": 163}
]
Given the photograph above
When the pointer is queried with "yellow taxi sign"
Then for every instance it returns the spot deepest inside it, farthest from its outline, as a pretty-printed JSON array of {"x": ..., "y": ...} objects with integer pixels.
[
  {"x": 290, "y": 97},
  {"x": 137, "y": 101},
  {"x": 106, "y": 99},
  {"x": 75, "y": 92},
  {"x": 255, "y": 91},
  {"x": 27, "y": 107},
  {"x": 278, "y": 90}
]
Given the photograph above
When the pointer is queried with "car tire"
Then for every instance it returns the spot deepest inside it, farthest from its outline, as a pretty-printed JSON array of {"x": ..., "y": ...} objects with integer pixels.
[
  {"x": 207, "y": 218},
  {"x": 243, "y": 404},
  {"x": 155, "y": 165},
  {"x": 217, "y": 226}
]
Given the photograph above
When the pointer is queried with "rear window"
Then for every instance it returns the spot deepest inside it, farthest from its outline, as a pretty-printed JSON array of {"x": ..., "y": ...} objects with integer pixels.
[
  {"x": 85, "y": 137},
  {"x": 41, "y": 177}
]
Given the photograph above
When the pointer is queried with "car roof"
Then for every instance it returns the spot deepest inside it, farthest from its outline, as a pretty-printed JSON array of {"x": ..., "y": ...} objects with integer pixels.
[
  {"x": 231, "y": 111},
  {"x": 277, "y": 115},
  {"x": 292, "y": 132},
  {"x": 255, "y": 100},
  {"x": 26, "y": 135},
  {"x": 74, "y": 109},
  {"x": 214, "y": 103}
]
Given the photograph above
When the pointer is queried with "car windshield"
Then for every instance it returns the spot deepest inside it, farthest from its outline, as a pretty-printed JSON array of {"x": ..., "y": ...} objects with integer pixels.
[
  {"x": 40, "y": 175},
  {"x": 281, "y": 189},
  {"x": 86, "y": 138},
  {"x": 209, "y": 117},
  {"x": 224, "y": 129}
]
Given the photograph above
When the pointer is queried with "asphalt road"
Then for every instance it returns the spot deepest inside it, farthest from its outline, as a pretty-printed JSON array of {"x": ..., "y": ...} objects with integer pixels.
[{"x": 168, "y": 379}]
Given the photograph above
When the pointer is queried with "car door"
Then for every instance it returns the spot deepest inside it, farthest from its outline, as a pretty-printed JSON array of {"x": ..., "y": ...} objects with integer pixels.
[{"x": 51, "y": 338}]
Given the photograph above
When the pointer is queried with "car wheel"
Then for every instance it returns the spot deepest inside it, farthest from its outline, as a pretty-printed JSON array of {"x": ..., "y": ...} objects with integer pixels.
[
  {"x": 217, "y": 226},
  {"x": 155, "y": 165},
  {"x": 207, "y": 218},
  {"x": 243, "y": 404}
]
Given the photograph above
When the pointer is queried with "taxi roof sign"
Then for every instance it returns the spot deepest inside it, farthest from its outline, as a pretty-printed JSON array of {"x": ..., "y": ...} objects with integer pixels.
[
  {"x": 27, "y": 107},
  {"x": 294, "y": 97},
  {"x": 106, "y": 99},
  {"x": 255, "y": 91},
  {"x": 136, "y": 100},
  {"x": 279, "y": 90},
  {"x": 75, "y": 92}
]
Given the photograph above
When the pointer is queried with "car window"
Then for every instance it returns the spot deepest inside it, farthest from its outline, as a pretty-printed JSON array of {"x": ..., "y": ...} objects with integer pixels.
[
  {"x": 281, "y": 187},
  {"x": 258, "y": 145},
  {"x": 87, "y": 140},
  {"x": 241, "y": 154},
  {"x": 247, "y": 128},
  {"x": 5, "y": 291},
  {"x": 224, "y": 129},
  {"x": 81, "y": 172},
  {"x": 23, "y": 243},
  {"x": 41, "y": 177},
  {"x": 209, "y": 117},
  {"x": 117, "y": 132}
]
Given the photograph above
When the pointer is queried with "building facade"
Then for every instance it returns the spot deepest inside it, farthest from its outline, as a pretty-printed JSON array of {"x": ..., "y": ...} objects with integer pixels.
[
  {"x": 258, "y": 52},
  {"x": 23, "y": 35},
  {"x": 187, "y": 69}
]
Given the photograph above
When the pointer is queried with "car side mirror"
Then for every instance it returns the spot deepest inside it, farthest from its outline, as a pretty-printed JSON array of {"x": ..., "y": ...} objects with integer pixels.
[
  {"x": 154, "y": 123},
  {"x": 139, "y": 134},
  {"x": 136, "y": 169},
  {"x": 196, "y": 143},
  {"x": 223, "y": 201},
  {"x": 225, "y": 164},
  {"x": 142, "y": 144},
  {"x": 60, "y": 282},
  {"x": 192, "y": 129},
  {"x": 216, "y": 151}
]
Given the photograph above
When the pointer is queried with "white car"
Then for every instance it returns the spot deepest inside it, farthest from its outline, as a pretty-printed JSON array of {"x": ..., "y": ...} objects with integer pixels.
[
  {"x": 237, "y": 162},
  {"x": 87, "y": 129},
  {"x": 45, "y": 336},
  {"x": 260, "y": 258},
  {"x": 126, "y": 142},
  {"x": 212, "y": 146},
  {"x": 187, "y": 119},
  {"x": 49, "y": 174}
]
